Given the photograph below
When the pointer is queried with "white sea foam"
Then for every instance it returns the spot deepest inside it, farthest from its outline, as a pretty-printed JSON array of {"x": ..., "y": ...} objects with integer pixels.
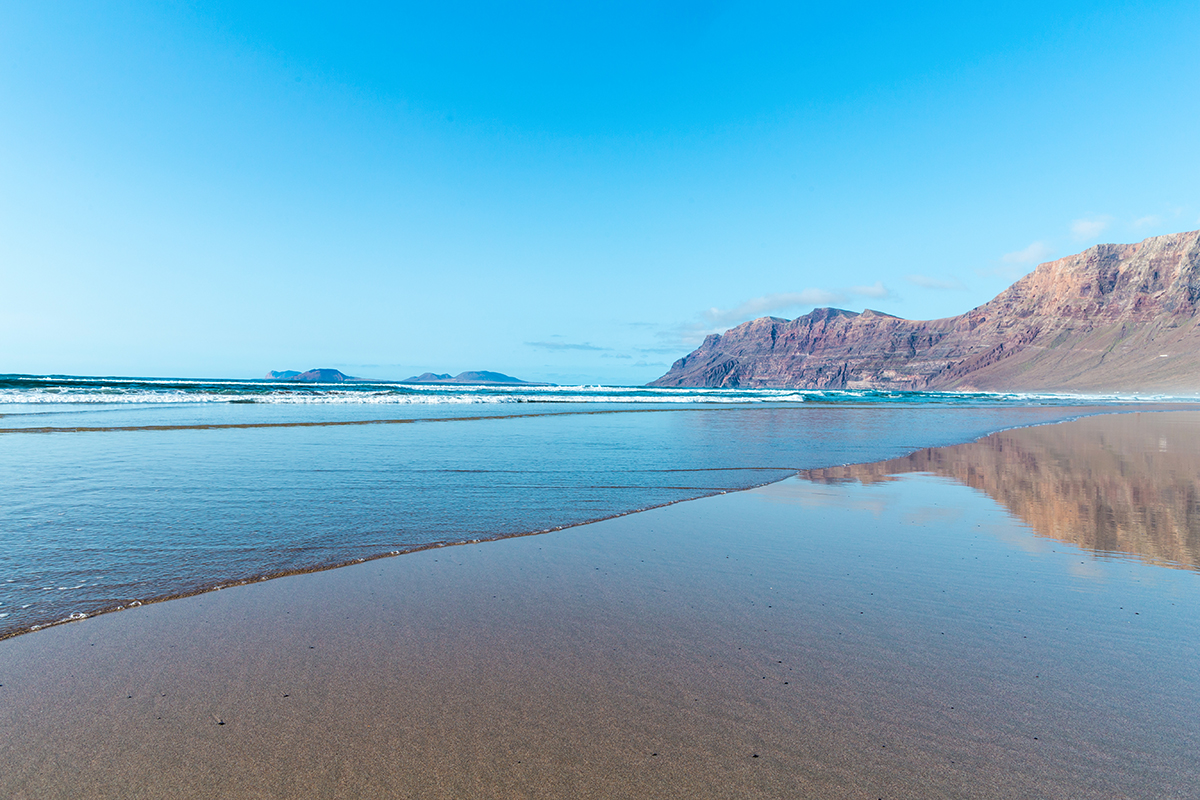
[
  {"x": 97, "y": 391},
  {"x": 396, "y": 396}
]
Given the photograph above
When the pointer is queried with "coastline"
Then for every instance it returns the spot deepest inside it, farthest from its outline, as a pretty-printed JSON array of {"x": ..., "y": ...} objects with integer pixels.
[
  {"x": 740, "y": 645},
  {"x": 219, "y": 583}
]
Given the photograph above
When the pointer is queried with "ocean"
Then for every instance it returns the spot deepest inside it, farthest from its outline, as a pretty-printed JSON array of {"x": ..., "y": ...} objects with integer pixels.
[{"x": 121, "y": 491}]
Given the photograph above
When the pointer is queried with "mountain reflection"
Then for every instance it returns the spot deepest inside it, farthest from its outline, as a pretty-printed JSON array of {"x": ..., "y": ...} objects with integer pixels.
[{"x": 1123, "y": 483}]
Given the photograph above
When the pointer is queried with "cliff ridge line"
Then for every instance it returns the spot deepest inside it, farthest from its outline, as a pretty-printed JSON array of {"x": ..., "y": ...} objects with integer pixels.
[{"x": 1116, "y": 317}]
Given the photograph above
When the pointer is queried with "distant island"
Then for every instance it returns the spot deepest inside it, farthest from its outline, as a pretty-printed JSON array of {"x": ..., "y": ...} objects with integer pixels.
[
  {"x": 475, "y": 378},
  {"x": 480, "y": 377},
  {"x": 311, "y": 376},
  {"x": 1116, "y": 317}
]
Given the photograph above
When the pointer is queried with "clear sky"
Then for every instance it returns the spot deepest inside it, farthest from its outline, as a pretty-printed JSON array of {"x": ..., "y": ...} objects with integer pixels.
[{"x": 568, "y": 192}]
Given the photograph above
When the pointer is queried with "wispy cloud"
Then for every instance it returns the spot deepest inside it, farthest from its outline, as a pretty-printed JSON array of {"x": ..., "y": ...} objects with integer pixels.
[
  {"x": 686, "y": 334},
  {"x": 1087, "y": 228},
  {"x": 876, "y": 291},
  {"x": 925, "y": 282},
  {"x": 1009, "y": 272},
  {"x": 716, "y": 320},
  {"x": 1035, "y": 252},
  {"x": 565, "y": 346},
  {"x": 1147, "y": 221},
  {"x": 769, "y": 304}
]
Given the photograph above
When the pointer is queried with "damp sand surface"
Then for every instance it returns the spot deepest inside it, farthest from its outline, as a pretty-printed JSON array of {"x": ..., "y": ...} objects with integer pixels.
[
  {"x": 840, "y": 636},
  {"x": 104, "y": 506}
]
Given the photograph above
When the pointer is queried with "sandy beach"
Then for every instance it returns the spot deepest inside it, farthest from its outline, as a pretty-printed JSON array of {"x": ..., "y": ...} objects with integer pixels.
[
  {"x": 590, "y": 400},
  {"x": 841, "y": 639}
]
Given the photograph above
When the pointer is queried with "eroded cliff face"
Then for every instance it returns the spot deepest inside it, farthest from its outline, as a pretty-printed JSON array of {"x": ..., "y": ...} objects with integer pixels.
[
  {"x": 1113, "y": 318},
  {"x": 1115, "y": 484}
]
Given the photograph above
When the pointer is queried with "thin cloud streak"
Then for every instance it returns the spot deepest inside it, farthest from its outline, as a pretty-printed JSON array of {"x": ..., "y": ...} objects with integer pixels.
[
  {"x": 716, "y": 320},
  {"x": 771, "y": 304},
  {"x": 566, "y": 346},
  {"x": 876, "y": 291},
  {"x": 925, "y": 282},
  {"x": 766, "y": 305},
  {"x": 1087, "y": 228},
  {"x": 1033, "y": 254}
]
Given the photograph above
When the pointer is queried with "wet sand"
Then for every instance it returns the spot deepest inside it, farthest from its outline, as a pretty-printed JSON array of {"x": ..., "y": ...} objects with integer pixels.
[
  {"x": 900, "y": 638},
  {"x": 1109, "y": 484}
]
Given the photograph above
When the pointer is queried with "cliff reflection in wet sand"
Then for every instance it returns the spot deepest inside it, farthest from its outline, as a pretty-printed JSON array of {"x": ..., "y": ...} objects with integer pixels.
[{"x": 1113, "y": 484}]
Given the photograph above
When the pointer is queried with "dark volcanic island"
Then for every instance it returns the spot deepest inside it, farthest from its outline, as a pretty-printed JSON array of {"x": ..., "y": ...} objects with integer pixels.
[
  {"x": 1116, "y": 317},
  {"x": 476, "y": 378}
]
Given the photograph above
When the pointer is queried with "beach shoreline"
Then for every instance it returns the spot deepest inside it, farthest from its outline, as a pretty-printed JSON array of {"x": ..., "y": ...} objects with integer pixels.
[
  {"x": 752, "y": 644},
  {"x": 226, "y": 582}
]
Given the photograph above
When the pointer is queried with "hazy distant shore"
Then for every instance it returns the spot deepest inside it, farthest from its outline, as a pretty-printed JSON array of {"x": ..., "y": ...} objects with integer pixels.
[{"x": 904, "y": 637}]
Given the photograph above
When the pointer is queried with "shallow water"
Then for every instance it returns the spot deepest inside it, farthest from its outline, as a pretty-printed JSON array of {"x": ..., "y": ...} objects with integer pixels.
[
  {"x": 907, "y": 629},
  {"x": 115, "y": 492},
  {"x": 1123, "y": 486}
]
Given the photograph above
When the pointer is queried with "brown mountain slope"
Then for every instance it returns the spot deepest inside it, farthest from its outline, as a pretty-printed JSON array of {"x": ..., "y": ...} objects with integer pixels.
[{"x": 1116, "y": 317}]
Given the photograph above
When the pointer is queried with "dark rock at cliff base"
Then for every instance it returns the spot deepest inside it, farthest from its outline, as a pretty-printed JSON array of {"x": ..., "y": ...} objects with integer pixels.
[{"x": 1116, "y": 317}]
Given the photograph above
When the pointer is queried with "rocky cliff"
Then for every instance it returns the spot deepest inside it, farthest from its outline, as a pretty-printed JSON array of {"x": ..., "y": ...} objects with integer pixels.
[{"x": 1116, "y": 317}]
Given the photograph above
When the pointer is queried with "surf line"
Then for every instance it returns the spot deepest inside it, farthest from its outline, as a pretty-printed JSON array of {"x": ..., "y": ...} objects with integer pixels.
[{"x": 219, "y": 426}]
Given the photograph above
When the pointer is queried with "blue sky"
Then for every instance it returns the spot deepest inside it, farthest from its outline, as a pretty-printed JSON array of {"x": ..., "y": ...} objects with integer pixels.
[{"x": 562, "y": 191}]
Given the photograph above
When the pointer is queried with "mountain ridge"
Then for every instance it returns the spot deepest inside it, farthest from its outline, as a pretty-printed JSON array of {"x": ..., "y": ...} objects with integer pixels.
[{"x": 1116, "y": 317}]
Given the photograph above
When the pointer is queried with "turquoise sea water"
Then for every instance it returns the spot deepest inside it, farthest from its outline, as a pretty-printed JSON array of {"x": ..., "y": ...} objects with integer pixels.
[{"x": 116, "y": 491}]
